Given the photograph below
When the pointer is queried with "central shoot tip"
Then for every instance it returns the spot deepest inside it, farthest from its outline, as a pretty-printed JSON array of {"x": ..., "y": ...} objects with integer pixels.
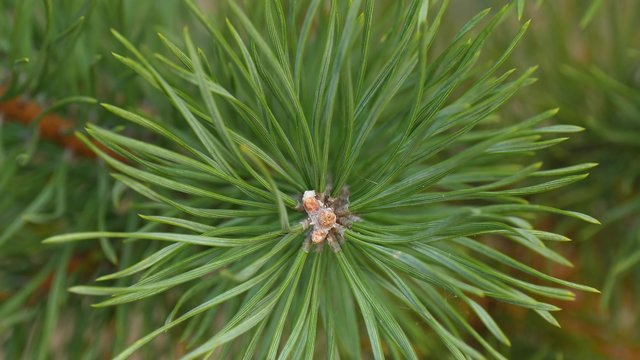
[{"x": 327, "y": 217}]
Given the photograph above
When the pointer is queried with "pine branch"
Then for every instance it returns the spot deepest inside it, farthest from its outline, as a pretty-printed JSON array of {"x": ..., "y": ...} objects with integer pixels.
[
  {"x": 317, "y": 178},
  {"x": 428, "y": 178}
]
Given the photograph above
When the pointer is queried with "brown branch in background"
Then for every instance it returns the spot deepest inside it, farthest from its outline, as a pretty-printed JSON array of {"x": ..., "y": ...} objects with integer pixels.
[{"x": 52, "y": 127}]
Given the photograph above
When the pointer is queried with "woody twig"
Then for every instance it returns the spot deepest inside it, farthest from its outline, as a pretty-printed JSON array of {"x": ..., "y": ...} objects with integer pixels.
[{"x": 52, "y": 127}]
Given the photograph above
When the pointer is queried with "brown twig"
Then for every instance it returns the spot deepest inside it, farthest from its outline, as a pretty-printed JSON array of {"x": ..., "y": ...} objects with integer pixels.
[{"x": 52, "y": 127}]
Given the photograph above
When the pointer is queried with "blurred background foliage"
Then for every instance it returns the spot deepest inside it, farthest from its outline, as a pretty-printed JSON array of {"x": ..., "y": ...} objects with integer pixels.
[
  {"x": 588, "y": 54},
  {"x": 51, "y": 52},
  {"x": 58, "y": 55}
]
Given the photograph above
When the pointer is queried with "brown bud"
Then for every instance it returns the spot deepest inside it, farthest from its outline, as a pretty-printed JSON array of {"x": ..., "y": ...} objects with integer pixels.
[
  {"x": 317, "y": 236},
  {"x": 327, "y": 218},
  {"x": 309, "y": 202}
]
